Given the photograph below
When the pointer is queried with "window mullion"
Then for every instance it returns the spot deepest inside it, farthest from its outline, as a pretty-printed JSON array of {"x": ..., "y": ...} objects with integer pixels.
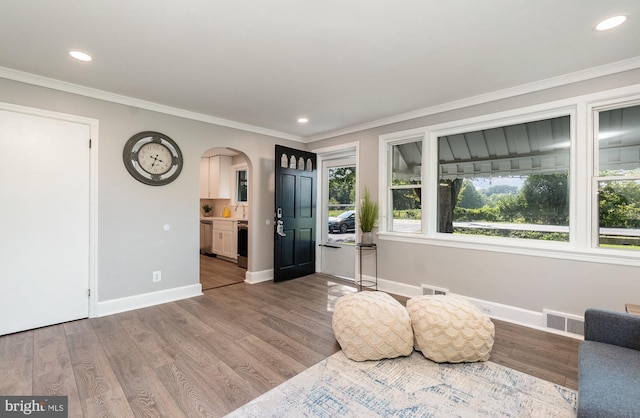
[{"x": 430, "y": 180}]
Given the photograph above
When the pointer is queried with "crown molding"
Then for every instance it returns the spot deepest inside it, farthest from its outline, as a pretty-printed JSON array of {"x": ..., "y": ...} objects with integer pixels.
[
  {"x": 66, "y": 87},
  {"x": 582, "y": 75}
]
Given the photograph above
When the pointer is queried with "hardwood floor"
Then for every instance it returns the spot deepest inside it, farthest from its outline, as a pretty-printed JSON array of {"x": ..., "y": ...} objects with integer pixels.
[
  {"x": 208, "y": 355},
  {"x": 215, "y": 272}
]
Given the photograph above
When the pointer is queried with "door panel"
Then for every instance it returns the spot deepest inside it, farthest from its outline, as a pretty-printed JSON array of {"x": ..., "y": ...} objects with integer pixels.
[
  {"x": 338, "y": 216},
  {"x": 295, "y": 207},
  {"x": 44, "y": 244}
]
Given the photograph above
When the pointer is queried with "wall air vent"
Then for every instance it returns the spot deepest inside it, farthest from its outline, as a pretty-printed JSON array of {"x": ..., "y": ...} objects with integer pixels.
[
  {"x": 433, "y": 290},
  {"x": 564, "y": 322}
]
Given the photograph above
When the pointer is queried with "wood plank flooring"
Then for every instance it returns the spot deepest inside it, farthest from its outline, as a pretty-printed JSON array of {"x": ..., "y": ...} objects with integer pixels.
[
  {"x": 208, "y": 355},
  {"x": 215, "y": 272}
]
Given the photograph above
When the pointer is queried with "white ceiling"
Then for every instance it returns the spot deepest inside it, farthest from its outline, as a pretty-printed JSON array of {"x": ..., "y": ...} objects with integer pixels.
[{"x": 341, "y": 63}]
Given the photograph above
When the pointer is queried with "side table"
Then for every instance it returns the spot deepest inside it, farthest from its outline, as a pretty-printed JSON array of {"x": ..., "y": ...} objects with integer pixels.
[
  {"x": 632, "y": 309},
  {"x": 370, "y": 284}
]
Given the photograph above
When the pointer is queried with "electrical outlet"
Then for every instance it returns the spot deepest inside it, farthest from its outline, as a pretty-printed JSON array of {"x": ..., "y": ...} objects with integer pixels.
[{"x": 157, "y": 276}]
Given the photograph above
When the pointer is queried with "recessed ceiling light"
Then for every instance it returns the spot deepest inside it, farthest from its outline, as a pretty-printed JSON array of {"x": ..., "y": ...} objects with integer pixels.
[
  {"x": 80, "y": 56},
  {"x": 611, "y": 22},
  {"x": 303, "y": 120}
]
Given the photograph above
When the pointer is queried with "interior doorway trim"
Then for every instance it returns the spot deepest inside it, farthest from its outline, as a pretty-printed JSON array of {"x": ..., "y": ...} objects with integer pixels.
[{"x": 93, "y": 147}]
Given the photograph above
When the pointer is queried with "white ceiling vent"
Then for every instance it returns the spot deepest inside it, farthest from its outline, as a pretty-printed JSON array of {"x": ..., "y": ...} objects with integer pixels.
[
  {"x": 433, "y": 290},
  {"x": 564, "y": 322}
]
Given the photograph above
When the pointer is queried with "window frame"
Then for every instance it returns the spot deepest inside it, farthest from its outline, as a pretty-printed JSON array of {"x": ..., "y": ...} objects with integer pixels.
[
  {"x": 594, "y": 111},
  {"x": 583, "y": 213},
  {"x": 390, "y": 187},
  {"x": 236, "y": 170}
]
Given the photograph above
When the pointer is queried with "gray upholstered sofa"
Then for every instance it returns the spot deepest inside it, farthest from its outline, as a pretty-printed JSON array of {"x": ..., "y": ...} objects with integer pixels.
[{"x": 609, "y": 365}]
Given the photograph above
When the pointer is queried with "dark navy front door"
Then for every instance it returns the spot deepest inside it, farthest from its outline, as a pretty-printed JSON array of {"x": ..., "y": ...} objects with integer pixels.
[{"x": 295, "y": 214}]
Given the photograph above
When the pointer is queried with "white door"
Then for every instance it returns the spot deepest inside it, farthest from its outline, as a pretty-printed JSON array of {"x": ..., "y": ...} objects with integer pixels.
[
  {"x": 338, "y": 217},
  {"x": 44, "y": 221}
]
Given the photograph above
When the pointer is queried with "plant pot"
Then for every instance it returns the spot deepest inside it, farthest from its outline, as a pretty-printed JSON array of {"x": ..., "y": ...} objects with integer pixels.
[{"x": 366, "y": 238}]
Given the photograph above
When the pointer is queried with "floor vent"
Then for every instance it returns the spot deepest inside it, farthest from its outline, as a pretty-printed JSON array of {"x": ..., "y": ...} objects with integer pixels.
[
  {"x": 433, "y": 290},
  {"x": 564, "y": 322}
]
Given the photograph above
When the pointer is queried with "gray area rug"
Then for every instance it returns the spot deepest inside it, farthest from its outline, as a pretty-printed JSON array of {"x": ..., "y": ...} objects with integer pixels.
[{"x": 411, "y": 387}]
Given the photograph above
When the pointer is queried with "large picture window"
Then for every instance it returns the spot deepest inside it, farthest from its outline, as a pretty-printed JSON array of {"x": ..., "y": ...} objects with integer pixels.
[
  {"x": 558, "y": 180},
  {"x": 618, "y": 178},
  {"x": 508, "y": 181}
]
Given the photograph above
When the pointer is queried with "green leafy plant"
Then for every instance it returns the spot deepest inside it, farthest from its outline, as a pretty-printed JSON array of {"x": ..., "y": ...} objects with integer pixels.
[
  {"x": 207, "y": 208},
  {"x": 367, "y": 212}
]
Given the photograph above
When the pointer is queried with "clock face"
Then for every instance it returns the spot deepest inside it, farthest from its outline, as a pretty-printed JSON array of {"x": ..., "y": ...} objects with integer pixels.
[
  {"x": 152, "y": 158},
  {"x": 155, "y": 158}
]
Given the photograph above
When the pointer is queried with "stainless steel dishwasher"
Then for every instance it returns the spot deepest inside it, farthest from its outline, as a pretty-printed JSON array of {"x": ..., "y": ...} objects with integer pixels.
[
  {"x": 243, "y": 243},
  {"x": 206, "y": 237}
]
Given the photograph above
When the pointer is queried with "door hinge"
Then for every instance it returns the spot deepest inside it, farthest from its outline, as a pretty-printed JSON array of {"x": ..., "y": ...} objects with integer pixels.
[
  {"x": 89, "y": 292},
  {"x": 89, "y": 142}
]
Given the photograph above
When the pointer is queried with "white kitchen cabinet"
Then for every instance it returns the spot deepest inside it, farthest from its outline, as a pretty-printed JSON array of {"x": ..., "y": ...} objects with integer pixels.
[
  {"x": 204, "y": 178},
  {"x": 220, "y": 177},
  {"x": 224, "y": 238},
  {"x": 215, "y": 177}
]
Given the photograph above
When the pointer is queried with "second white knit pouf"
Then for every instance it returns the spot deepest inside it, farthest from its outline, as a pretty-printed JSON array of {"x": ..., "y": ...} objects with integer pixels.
[
  {"x": 450, "y": 329},
  {"x": 372, "y": 326}
]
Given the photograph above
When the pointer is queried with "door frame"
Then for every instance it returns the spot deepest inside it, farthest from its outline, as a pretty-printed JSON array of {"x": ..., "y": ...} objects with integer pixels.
[
  {"x": 93, "y": 147},
  {"x": 331, "y": 153}
]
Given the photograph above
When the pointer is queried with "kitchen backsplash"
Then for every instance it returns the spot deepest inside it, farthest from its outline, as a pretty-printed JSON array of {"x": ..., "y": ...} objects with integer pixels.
[{"x": 218, "y": 205}]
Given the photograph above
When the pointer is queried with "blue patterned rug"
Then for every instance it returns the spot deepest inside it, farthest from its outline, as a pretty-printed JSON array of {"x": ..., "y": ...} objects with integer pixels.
[{"x": 411, "y": 387}]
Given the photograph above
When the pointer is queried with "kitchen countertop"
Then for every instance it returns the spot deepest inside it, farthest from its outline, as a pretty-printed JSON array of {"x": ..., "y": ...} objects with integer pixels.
[{"x": 220, "y": 218}]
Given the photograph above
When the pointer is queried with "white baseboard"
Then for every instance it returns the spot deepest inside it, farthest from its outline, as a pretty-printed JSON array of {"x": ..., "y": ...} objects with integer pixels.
[
  {"x": 397, "y": 288},
  {"x": 507, "y": 312},
  {"x": 498, "y": 311},
  {"x": 130, "y": 303},
  {"x": 253, "y": 277}
]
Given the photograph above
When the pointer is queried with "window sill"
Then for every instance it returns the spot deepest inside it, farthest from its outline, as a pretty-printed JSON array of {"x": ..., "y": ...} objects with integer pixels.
[{"x": 558, "y": 250}]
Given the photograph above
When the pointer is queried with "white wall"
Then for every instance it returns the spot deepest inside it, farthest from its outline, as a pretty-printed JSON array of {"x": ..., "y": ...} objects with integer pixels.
[
  {"x": 131, "y": 240},
  {"x": 527, "y": 282},
  {"x": 132, "y": 243}
]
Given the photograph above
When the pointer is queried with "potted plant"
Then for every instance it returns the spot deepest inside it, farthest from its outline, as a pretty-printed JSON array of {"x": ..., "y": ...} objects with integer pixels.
[
  {"x": 207, "y": 210},
  {"x": 367, "y": 216}
]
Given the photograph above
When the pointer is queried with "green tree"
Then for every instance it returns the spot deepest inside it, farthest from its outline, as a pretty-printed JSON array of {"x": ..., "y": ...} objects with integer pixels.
[
  {"x": 406, "y": 199},
  {"x": 500, "y": 189},
  {"x": 619, "y": 204},
  {"x": 342, "y": 181},
  {"x": 510, "y": 207},
  {"x": 469, "y": 197},
  {"x": 546, "y": 199}
]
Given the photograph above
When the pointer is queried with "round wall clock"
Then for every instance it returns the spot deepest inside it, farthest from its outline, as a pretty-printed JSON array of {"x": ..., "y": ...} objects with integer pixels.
[{"x": 152, "y": 158}]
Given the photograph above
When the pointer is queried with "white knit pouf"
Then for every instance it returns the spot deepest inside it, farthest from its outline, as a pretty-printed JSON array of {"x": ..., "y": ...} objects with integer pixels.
[
  {"x": 450, "y": 329},
  {"x": 372, "y": 326}
]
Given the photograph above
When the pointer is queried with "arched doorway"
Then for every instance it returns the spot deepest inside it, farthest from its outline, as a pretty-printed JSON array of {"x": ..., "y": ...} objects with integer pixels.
[{"x": 224, "y": 217}]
